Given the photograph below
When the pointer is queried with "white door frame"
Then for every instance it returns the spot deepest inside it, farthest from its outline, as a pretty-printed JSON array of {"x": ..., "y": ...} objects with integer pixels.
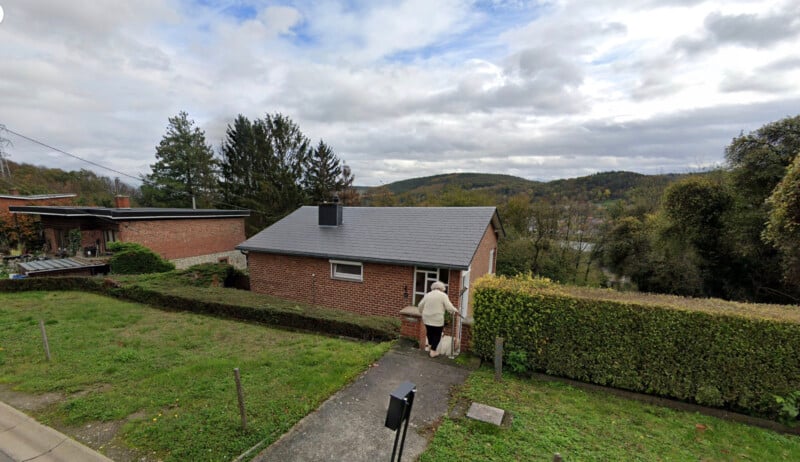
[{"x": 463, "y": 306}]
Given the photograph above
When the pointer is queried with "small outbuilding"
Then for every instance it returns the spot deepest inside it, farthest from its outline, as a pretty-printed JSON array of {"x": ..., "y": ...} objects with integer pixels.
[
  {"x": 183, "y": 236},
  {"x": 375, "y": 260}
]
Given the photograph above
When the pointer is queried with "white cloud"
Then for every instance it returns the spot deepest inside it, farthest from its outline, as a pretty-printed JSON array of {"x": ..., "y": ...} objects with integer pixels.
[{"x": 399, "y": 89}]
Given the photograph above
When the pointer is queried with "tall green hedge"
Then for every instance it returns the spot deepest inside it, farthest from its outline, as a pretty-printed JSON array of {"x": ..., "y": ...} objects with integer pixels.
[{"x": 652, "y": 345}]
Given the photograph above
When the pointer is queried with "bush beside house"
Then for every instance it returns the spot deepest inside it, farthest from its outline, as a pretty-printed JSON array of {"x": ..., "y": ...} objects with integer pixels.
[
  {"x": 711, "y": 352},
  {"x": 132, "y": 258}
]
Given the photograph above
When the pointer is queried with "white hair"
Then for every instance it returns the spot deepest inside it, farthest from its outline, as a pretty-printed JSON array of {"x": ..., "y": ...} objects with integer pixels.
[{"x": 438, "y": 285}]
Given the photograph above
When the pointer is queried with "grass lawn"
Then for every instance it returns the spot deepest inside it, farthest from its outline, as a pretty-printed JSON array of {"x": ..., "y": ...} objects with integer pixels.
[
  {"x": 169, "y": 375},
  {"x": 594, "y": 426}
]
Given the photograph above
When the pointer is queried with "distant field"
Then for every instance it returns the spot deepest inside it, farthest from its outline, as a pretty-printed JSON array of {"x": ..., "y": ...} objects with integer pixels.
[
  {"x": 167, "y": 377},
  {"x": 551, "y": 418}
]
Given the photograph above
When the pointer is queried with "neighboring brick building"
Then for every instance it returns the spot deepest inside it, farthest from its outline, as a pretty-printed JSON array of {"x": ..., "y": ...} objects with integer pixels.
[
  {"x": 375, "y": 260},
  {"x": 183, "y": 236},
  {"x": 15, "y": 198}
]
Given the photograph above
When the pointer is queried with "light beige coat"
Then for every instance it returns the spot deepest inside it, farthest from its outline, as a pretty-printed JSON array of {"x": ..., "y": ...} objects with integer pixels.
[{"x": 432, "y": 307}]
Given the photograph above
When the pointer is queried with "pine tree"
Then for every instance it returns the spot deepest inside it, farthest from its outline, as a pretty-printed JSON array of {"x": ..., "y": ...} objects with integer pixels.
[{"x": 184, "y": 170}]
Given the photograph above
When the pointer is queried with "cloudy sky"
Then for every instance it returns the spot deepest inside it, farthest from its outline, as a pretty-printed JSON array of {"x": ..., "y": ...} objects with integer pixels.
[{"x": 399, "y": 89}]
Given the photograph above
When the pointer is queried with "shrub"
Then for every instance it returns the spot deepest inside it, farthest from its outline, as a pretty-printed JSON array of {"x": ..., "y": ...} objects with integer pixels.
[
  {"x": 712, "y": 352},
  {"x": 132, "y": 258},
  {"x": 210, "y": 274}
]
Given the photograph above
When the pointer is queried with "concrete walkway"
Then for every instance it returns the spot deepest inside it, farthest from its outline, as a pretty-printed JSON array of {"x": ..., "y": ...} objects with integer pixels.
[
  {"x": 349, "y": 426},
  {"x": 24, "y": 439}
]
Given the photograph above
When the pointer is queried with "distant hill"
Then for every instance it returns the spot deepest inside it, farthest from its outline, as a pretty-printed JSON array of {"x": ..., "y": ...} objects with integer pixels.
[
  {"x": 489, "y": 181},
  {"x": 597, "y": 188}
]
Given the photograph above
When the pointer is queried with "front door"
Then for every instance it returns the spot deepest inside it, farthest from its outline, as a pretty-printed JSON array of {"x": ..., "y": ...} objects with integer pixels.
[{"x": 424, "y": 277}]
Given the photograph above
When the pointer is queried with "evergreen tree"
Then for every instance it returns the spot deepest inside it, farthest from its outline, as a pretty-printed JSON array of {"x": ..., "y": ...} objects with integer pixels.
[
  {"x": 290, "y": 150},
  {"x": 184, "y": 168},
  {"x": 323, "y": 174}
]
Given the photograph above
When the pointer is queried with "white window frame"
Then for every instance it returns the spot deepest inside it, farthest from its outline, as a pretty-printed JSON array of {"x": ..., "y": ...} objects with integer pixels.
[
  {"x": 491, "y": 261},
  {"x": 346, "y": 276}
]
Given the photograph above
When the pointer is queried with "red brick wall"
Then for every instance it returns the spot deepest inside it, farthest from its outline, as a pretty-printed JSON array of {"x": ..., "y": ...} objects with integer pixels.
[
  {"x": 184, "y": 238},
  {"x": 308, "y": 280},
  {"x": 480, "y": 262}
]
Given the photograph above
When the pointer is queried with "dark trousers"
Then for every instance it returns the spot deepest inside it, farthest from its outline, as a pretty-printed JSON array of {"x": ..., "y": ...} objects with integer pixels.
[{"x": 434, "y": 335}]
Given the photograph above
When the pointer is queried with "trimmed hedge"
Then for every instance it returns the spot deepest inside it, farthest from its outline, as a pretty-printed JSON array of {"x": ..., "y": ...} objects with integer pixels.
[
  {"x": 714, "y": 357},
  {"x": 214, "y": 301},
  {"x": 132, "y": 258}
]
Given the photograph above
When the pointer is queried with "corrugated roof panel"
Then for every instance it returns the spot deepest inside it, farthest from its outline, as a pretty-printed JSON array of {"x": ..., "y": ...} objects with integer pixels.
[{"x": 55, "y": 265}]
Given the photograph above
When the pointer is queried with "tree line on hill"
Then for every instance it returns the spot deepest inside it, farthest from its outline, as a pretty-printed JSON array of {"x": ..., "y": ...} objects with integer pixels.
[{"x": 731, "y": 233}]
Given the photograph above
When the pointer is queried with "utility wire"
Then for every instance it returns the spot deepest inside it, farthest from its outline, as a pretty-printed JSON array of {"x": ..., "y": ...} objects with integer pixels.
[{"x": 141, "y": 179}]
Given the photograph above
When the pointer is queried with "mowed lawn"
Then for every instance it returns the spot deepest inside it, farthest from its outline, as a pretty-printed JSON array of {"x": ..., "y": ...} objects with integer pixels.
[
  {"x": 171, "y": 371},
  {"x": 583, "y": 425}
]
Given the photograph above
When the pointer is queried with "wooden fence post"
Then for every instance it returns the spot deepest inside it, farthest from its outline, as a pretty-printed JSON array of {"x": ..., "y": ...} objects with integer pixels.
[
  {"x": 44, "y": 339},
  {"x": 240, "y": 394},
  {"x": 498, "y": 359},
  {"x": 557, "y": 457}
]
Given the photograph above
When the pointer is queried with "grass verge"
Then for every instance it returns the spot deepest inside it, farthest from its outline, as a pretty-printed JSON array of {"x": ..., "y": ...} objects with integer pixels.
[
  {"x": 550, "y": 417},
  {"x": 169, "y": 375}
]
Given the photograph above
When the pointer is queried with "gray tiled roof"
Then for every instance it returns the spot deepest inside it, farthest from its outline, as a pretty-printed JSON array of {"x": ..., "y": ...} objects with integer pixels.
[{"x": 424, "y": 236}]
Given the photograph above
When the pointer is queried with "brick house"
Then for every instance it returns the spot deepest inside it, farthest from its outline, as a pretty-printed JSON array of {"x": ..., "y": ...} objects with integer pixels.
[
  {"x": 376, "y": 260},
  {"x": 183, "y": 236},
  {"x": 7, "y": 200}
]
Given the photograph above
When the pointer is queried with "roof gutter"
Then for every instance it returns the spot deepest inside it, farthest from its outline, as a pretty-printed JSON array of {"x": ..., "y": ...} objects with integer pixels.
[{"x": 355, "y": 258}]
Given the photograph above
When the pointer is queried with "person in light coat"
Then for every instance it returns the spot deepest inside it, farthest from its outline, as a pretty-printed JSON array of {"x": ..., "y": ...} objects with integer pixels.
[{"x": 432, "y": 307}]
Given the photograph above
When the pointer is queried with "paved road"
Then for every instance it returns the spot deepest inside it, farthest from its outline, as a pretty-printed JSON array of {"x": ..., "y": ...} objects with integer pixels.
[
  {"x": 24, "y": 439},
  {"x": 349, "y": 426}
]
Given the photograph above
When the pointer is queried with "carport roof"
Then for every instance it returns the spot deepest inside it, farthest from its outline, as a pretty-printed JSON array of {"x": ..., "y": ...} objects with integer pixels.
[
  {"x": 127, "y": 213},
  {"x": 60, "y": 264}
]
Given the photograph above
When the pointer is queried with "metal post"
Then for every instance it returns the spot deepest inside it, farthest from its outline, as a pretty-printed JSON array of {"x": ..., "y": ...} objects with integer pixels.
[
  {"x": 240, "y": 394},
  {"x": 407, "y": 414},
  {"x": 397, "y": 435},
  {"x": 498, "y": 359},
  {"x": 44, "y": 340}
]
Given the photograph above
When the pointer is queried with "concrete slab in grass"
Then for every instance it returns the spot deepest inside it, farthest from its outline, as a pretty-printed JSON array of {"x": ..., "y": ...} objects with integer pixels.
[{"x": 486, "y": 413}]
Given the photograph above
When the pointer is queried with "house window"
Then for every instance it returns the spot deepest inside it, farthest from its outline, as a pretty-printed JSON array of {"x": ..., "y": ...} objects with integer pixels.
[
  {"x": 491, "y": 261},
  {"x": 109, "y": 235},
  {"x": 347, "y": 270}
]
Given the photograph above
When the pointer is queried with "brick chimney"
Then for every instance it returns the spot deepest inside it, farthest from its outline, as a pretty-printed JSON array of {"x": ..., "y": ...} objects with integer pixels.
[
  {"x": 15, "y": 192},
  {"x": 122, "y": 202}
]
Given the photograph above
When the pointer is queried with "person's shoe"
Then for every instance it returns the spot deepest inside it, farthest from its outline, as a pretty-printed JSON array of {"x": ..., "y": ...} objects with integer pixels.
[{"x": 434, "y": 354}]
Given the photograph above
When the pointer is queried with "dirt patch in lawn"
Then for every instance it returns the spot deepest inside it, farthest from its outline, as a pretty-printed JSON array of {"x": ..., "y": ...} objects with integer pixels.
[
  {"x": 102, "y": 436},
  {"x": 28, "y": 402}
]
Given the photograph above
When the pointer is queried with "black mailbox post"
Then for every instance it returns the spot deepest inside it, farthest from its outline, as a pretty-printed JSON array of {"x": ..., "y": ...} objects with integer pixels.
[{"x": 400, "y": 402}]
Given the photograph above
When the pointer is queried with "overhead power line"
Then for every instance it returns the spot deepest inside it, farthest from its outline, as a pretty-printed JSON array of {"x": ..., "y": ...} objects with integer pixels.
[
  {"x": 72, "y": 155},
  {"x": 139, "y": 178}
]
